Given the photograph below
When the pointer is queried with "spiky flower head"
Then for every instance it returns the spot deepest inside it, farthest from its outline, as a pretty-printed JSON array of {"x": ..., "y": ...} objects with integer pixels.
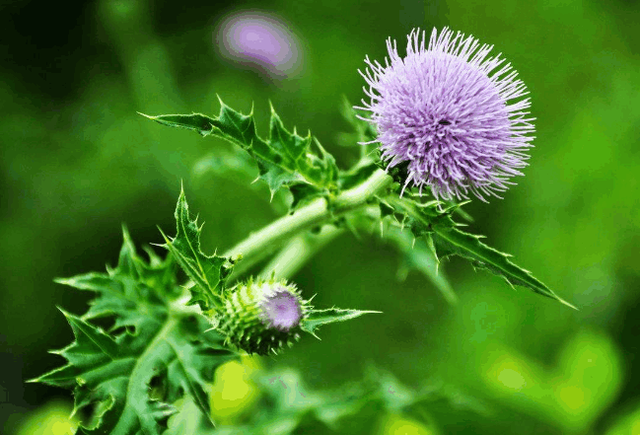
[
  {"x": 262, "y": 316},
  {"x": 450, "y": 114}
]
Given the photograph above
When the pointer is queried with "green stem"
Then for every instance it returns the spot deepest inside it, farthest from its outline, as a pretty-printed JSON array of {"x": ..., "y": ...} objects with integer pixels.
[
  {"x": 297, "y": 252},
  {"x": 264, "y": 242}
]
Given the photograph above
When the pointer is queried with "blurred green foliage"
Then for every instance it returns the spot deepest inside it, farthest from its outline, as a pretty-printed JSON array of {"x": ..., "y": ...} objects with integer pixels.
[{"x": 76, "y": 161}]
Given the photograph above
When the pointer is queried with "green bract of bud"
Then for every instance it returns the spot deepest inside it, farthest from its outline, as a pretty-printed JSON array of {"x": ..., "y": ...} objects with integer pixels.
[{"x": 262, "y": 316}]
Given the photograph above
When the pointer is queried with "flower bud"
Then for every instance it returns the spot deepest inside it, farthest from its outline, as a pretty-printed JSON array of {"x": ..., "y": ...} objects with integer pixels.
[{"x": 262, "y": 316}]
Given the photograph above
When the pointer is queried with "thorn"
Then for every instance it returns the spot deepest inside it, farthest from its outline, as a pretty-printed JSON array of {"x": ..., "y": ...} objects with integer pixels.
[
  {"x": 147, "y": 116},
  {"x": 562, "y": 301},
  {"x": 222, "y": 105},
  {"x": 311, "y": 298},
  {"x": 65, "y": 313}
]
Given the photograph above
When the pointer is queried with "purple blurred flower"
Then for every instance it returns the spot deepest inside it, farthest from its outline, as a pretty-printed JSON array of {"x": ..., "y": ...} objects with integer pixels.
[
  {"x": 448, "y": 113},
  {"x": 261, "y": 39},
  {"x": 280, "y": 309}
]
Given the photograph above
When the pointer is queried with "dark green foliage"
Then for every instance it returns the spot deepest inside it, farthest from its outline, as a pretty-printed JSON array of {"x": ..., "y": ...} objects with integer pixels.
[
  {"x": 127, "y": 377},
  {"x": 289, "y": 407}
]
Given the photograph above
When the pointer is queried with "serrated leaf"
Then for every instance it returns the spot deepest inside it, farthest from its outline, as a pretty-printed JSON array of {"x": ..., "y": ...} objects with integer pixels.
[
  {"x": 454, "y": 241},
  {"x": 284, "y": 159},
  {"x": 209, "y": 272},
  {"x": 428, "y": 219},
  {"x": 114, "y": 372},
  {"x": 132, "y": 288},
  {"x": 317, "y": 318}
]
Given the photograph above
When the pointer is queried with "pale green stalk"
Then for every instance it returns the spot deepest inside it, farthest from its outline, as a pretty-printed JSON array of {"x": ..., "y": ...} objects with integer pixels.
[
  {"x": 264, "y": 242},
  {"x": 298, "y": 251}
]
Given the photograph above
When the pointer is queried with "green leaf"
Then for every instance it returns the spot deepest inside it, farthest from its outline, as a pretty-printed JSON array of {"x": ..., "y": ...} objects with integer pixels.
[
  {"x": 453, "y": 241},
  {"x": 188, "y": 420},
  {"x": 284, "y": 159},
  {"x": 156, "y": 353},
  {"x": 419, "y": 254},
  {"x": 317, "y": 318},
  {"x": 428, "y": 220},
  {"x": 209, "y": 272}
]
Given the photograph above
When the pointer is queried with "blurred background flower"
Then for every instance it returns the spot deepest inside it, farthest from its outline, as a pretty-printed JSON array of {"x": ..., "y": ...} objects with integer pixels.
[
  {"x": 260, "y": 39},
  {"x": 76, "y": 161}
]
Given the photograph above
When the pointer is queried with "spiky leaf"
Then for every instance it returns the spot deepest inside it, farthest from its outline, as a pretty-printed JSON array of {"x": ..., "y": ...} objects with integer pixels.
[
  {"x": 208, "y": 272},
  {"x": 126, "y": 378},
  {"x": 317, "y": 318},
  {"x": 428, "y": 220},
  {"x": 284, "y": 159}
]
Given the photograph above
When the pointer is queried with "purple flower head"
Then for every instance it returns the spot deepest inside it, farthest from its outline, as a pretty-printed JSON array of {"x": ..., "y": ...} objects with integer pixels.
[
  {"x": 449, "y": 113},
  {"x": 260, "y": 39},
  {"x": 262, "y": 316},
  {"x": 280, "y": 309}
]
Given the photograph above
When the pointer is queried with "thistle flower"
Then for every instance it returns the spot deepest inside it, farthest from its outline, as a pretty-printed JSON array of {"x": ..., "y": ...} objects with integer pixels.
[
  {"x": 261, "y": 317},
  {"x": 450, "y": 114}
]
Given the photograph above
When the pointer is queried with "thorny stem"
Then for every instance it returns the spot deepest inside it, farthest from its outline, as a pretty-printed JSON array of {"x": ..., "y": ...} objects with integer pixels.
[{"x": 264, "y": 242}]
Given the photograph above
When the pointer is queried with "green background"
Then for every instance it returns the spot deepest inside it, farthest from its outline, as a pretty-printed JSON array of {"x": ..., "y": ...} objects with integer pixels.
[{"x": 76, "y": 161}]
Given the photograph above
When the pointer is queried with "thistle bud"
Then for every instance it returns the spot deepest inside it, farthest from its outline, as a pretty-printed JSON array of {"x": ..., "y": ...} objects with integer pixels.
[{"x": 262, "y": 316}]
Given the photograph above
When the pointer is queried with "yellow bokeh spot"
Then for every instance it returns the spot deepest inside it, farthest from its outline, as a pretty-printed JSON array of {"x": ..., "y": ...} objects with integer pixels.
[
  {"x": 233, "y": 390},
  {"x": 509, "y": 372},
  {"x": 398, "y": 425},
  {"x": 51, "y": 419},
  {"x": 511, "y": 378}
]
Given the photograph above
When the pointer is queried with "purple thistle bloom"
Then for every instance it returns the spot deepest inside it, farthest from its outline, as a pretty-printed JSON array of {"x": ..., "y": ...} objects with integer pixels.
[
  {"x": 280, "y": 309},
  {"x": 447, "y": 112}
]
